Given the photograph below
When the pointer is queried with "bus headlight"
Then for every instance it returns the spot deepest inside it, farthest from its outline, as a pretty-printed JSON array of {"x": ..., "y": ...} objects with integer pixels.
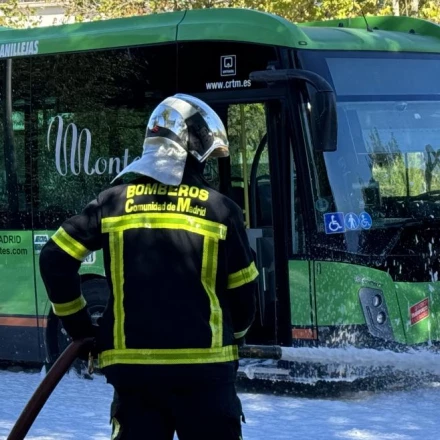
[
  {"x": 374, "y": 306},
  {"x": 381, "y": 318},
  {"x": 377, "y": 300}
]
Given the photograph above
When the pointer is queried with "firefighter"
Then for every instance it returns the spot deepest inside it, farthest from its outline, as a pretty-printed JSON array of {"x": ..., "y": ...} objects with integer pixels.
[{"x": 182, "y": 283}]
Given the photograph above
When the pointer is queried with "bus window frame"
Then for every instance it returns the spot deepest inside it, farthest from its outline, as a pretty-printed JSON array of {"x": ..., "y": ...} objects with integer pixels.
[{"x": 278, "y": 148}]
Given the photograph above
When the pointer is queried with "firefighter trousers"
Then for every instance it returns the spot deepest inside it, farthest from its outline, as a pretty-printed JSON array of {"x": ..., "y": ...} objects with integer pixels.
[{"x": 194, "y": 412}]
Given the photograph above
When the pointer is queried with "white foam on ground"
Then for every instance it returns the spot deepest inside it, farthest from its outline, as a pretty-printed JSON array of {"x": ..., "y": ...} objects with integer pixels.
[
  {"x": 79, "y": 409},
  {"x": 422, "y": 361}
]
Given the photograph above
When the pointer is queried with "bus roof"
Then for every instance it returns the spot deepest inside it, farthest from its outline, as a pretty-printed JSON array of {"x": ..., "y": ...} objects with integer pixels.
[
  {"x": 396, "y": 34},
  {"x": 194, "y": 25},
  {"x": 389, "y": 33}
]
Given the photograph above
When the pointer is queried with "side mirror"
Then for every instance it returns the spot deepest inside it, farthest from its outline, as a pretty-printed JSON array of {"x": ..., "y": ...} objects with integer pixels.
[{"x": 323, "y": 114}]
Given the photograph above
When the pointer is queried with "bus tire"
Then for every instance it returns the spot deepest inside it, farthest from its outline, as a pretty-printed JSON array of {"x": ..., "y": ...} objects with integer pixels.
[{"x": 96, "y": 292}]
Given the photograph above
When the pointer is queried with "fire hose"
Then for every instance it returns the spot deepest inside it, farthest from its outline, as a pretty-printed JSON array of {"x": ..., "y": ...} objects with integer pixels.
[{"x": 47, "y": 385}]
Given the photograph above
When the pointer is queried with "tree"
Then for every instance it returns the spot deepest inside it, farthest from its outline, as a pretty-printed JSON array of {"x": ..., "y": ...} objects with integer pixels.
[
  {"x": 13, "y": 14},
  {"x": 95, "y": 10},
  {"x": 294, "y": 10}
]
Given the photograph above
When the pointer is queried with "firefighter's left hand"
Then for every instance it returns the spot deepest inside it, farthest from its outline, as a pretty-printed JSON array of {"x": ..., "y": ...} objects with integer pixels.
[
  {"x": 77, "y": 331},
  {"x": 90, "y": 349}
]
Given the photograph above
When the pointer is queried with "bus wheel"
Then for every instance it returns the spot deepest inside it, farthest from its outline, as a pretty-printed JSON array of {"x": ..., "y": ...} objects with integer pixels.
[{"x": 96, "y": 293}]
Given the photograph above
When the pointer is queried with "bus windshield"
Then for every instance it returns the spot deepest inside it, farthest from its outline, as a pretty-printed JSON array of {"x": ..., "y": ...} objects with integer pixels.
[{"x": 388, "y": 159}]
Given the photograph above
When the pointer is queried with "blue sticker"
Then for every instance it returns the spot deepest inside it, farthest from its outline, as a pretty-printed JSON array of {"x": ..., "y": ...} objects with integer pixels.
[
  {"x": 334, "y": 223},
  {"x": 351, "y": 221},
  {"x": 365, "y": 220}
]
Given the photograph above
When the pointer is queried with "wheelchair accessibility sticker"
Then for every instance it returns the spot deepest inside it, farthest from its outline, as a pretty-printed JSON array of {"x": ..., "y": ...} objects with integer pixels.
[
  {"x": 365, "y": 220},
  {"x": 334, "y": 222},
  {"x": 338, "y": 222}
]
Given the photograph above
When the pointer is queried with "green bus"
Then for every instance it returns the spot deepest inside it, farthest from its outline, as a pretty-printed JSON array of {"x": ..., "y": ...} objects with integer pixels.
[{"x": 334, "y": 161}]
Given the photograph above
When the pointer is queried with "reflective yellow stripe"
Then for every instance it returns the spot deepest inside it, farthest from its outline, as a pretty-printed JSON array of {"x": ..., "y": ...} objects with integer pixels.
[
  {"x": 209, "y": 278},
  {"x": 116, "y": 428},
  {"x": 188, "y": 223},
  {"x": 168, "y": 356},
  {"x": 242, "y": 277},
  {"x": 69, "y": 245},
  {"x": 239, "y": 335},
  {"x": 69, "y": 308},
  {"x": 212, "y": 231},
  {"x": 116, "y": 241}
]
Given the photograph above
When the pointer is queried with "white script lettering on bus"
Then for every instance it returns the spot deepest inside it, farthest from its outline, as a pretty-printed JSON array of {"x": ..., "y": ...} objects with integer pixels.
[{"x": 70, "y": 157}]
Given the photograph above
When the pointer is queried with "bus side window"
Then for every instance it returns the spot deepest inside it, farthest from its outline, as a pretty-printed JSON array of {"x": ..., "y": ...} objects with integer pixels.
[
  {"x": 14, "y": 155},
  {"x": 250, "y": 177},
  {"x": 86, "y": 133}
]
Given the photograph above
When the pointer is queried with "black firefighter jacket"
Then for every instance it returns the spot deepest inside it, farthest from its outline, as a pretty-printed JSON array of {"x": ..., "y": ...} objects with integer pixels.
[{"x": 180, "y": 270}]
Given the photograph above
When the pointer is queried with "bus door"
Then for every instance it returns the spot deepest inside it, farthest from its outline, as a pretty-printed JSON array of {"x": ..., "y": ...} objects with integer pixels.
[
  {"x": 257, "y": 145},
  {"x": 275, "y": 219}
]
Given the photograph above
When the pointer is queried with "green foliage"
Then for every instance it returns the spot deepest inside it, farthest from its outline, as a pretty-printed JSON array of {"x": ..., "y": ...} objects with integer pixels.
[
  {"x": 430, "y": 10},
  {"x": 251, "y": 120},
  {"x": 294, "y": 10},
  {"x": 400, "y": 174},
  {"x": 15, "y": 14},
  {"x": 84, "y": 10},
  {"x": 383, "y": 154}
]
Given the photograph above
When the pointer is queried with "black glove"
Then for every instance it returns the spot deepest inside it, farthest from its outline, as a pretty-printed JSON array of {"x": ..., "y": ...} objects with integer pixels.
[
  {"x": 79, "y": 326},
  {"x": 90, "y": 350}
]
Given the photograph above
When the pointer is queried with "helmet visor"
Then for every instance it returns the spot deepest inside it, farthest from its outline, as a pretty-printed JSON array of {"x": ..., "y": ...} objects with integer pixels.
[{"x": 206, "y": 133}]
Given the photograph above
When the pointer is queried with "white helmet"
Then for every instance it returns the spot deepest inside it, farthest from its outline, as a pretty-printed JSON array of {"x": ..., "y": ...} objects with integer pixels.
[{"x": 178, "y": 125}]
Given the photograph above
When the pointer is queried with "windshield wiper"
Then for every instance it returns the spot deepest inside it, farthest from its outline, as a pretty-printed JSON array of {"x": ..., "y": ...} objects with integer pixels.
[
  {"x": 428, "y": 195},
  {"x": 426, "y": 221},
  {"x": 429, "y": 221}
]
